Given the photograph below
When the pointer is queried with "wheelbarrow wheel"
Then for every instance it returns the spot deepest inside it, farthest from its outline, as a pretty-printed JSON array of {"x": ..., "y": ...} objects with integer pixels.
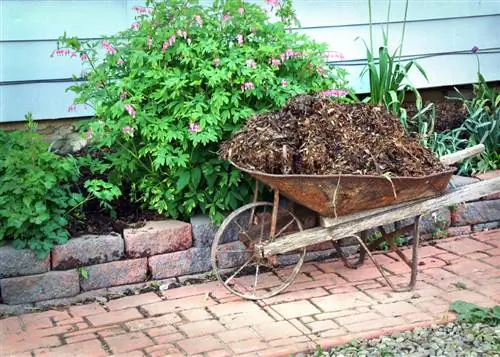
[{"x": 236, "y": 259}]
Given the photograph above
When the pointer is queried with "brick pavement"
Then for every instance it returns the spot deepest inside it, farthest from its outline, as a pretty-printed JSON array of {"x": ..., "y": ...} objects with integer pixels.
[{"x": 327, "y": 305}]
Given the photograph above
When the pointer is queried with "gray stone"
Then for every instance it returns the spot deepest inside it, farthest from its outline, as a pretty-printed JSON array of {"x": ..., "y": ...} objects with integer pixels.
[
  {"x": 436, "y": 221},
  {"x": 33, "y": 288},
  {"x": 18, "y": 262},
  {"x": 485, "y": 226},
  {"x": 114, "y": 273},
  {"x": 203, "y": 231},
  {"x": 191, "y": 261},
  {"x": 459, "y": 181},
  {"x": 476, "y": 212},
  {"x": 68, "y": 144},
  {"x": 87, "y": 250}
]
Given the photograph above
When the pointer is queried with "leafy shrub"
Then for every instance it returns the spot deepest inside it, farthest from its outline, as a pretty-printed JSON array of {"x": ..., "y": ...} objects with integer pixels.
[
  {"x": 35, "y": 192},
  {"x": 473, "y": 314},
  {"x": 182, "y": 79}
]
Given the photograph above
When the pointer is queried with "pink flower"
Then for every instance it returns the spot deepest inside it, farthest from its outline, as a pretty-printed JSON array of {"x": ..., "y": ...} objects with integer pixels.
[
  {"x": 182, "y": 33},
  {"x": 171, "y": 40},
  {"x": 321, "y": 71},
  {"x": 150, "y": 42},
  {"x": 194, "y": 128},
  {"x": 226, "y": 18},
  {"x": 282, "y": 56},
  {"x": 88, "y": 134},
  {"x": 130, "y": 110},
  {"x": 135, "y": 26},
  {"x": 198, "y": 20},
  {"x": 84, "y": 57},
  {"x": 141, "y": 9},
  {"x": 284, "y": 83},
  {"x": 273, "y": 2},
  {"x": 72, "y": 108},
  {"x": 123, "y": 95},
  {"x": 247, "y": 86},
  {"x": 164, "y": 47},
  {"x": 334, "y": 93},
  {"x": 216, "y": 62},
  {"x": 240, "y": 39},
  {"x": 109, "y": 48},
  {"x": 241, "y": 11},
  {"x": 120, "y": 62},
  {"x": 333, "y": 55},
  {"x": 250, "y": 63},
  {"x": 289, "y": 53},
  {"x": 63, "y": 52},
  {"x": 127, "y": 130},
  {"x": 275, "y": 62}
]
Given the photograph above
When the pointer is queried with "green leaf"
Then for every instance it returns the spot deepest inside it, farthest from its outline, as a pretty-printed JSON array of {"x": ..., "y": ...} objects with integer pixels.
[
  {"x": 195, "y": 176},
  {"x": 182, "y": 180}
]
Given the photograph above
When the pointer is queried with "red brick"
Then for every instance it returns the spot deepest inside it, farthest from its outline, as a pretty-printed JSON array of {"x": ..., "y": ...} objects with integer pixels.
[
  {"x": 170, "y": 338},
  {"x": 465, "y": 267},
  {"x": 342, "y": 301},
  {"x": 166, "y": 349},
  {"x": 157, "y": 237},
  {"x": 130, "y": 354},
  {"x": 296, "y": 295},
  {"x": 375, "y": 325},
  {"x": 128, "y": 342},
  {"x": 458, "y": 231},
  {"x": 13, "y": 344},
  {"x": 156, "y": 331},
  {"x": 188, "y": 303},
  {"x": 79, "y": 338},
  {"x": 447, "y": 257},
  {"x": 86, "y": 310},
  {"x": 245, "y": 319},
  {"x": 464, "y": 246},
  {"x": 115, "y": 273},
  {"x": 10, "y": 325},
  {"x": 495, "y": 261},
  {"x": 199, "y": 328},
  {"x": 395, "y": 309},
  {"x": 320, "y": 326},
  {"x": 218, "y": 353},
  {"x": 200, "y": 345},
  {"x": 112, "y": 331},
  {"x": 299, "y": 326},
  {"x": 87, "y": 250},
  {"x": 244, "y": 333},
  {"x": 289, "y": 341},
  {"x": 248, "y": 346},
  {"x": 296, "y": 309},
  {"x": 151, "y": 322},
  {"x": 46, "y": 286},
  {"x": 335, "y": 314},
  {"x": 277, "y": 330},
  {"x": 132, "y": 301},
  {"x": 287, "y": 350},
  {"x": 196, "y": 315},
  {"x": 51, "y": 331},
  {"x": 237, "y": 307},
  {"x": 360, "y": 274},
  {"x": 418, "y": 317},
  {"x": 109, "y": 318},
  {"x": 80, "y": 349},
  {"x": 357, "y": 317},
  {"x": 191, "y": 290},
  {"x": 71, "y": 321}
]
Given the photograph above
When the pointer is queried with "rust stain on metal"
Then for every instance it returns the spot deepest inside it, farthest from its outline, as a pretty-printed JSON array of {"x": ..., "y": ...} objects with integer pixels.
[{"x": 338, "y": 195}]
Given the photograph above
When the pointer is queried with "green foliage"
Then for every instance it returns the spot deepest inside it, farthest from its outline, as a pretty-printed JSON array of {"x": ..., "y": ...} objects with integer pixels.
[
  {"x": 184, "y": 78},
  {"x": 399, "y": 240},
  {"x": 387, "y": 75},
  {"x": 35, "y": 191},
  {"x": 482, "y": 126},
  {"x": 83, "y": 272},
  {"x": 471, "y": 313}
]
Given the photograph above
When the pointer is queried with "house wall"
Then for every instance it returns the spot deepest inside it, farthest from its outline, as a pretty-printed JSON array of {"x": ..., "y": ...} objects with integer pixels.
[{"x": 440, "y": 34}]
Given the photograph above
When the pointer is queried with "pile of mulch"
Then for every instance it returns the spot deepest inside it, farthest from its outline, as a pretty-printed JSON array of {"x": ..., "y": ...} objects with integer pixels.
[{"x": 313, "y": 135}]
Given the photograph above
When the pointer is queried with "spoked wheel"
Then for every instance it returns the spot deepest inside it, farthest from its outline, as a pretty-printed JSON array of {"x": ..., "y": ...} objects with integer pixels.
[{"x": 237, "y": 261}]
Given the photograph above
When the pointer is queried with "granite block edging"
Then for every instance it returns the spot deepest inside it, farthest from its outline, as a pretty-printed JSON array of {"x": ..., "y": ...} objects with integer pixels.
[{"x": 175, "y": 250}]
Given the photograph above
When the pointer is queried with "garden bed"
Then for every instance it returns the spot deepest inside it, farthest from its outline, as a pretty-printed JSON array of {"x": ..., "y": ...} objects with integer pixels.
[{"x": 174, "y": 252}]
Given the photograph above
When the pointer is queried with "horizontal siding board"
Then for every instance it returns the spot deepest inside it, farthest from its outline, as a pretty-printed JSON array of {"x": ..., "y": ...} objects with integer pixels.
[{"x": 44, "y": 100}]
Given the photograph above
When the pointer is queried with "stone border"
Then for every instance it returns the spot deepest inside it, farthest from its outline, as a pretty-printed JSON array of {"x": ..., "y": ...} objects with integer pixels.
[{"x": 173, "y": 250}]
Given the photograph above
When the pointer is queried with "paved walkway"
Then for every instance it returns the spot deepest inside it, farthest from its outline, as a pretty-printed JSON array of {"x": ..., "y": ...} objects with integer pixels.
[{"x": 327, "y": 305}]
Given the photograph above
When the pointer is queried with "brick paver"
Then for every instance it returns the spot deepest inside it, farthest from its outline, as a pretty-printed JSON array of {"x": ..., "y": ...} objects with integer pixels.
[{"x": 328, "y": 305}]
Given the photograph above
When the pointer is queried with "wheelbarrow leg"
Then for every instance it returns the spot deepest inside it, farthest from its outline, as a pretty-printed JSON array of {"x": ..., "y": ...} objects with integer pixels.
[
  {"x": 414, "y": 261},
  {"x": 347, "y": 263}
]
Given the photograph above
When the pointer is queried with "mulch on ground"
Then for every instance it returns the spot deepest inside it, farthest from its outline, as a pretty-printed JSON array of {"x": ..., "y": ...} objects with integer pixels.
[{"x": 314, "y": 135}]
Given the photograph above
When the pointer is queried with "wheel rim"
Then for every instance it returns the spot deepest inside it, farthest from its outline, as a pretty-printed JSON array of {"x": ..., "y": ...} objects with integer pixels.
[{"x": 235, "y": 261}]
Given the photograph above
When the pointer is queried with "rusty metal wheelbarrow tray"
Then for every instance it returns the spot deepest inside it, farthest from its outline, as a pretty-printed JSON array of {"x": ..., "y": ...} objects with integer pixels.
[{"x": 338, "y": 195}]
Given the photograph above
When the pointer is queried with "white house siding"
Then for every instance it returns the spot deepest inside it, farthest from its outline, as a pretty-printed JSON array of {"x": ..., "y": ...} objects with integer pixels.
[{"x": 440, "y": 33}]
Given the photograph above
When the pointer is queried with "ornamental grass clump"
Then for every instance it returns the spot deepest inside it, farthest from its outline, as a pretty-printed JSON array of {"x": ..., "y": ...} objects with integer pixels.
[{"x": 183, "y": 78}]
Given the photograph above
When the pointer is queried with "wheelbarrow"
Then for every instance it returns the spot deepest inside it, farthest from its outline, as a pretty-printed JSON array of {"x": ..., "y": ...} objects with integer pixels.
[{"x": 255, "y": 241}]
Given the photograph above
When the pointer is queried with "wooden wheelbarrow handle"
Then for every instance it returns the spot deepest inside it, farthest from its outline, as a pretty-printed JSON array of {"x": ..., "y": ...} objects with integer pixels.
[{"x": 458, "y": 156}]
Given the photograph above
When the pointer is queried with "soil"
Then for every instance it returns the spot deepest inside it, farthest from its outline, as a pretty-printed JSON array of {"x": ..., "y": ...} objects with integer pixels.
[
  {"x": 96, "y": 220},
  {"x": 313, "y": 135}
]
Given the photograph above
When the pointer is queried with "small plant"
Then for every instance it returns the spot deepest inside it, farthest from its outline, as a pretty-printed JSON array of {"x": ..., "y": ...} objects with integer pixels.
[
  {"x": 398, "y": 240},
  {"x": 181, "y": 80},
  {"x": 473, "y": 314},
  {"x": 83, "y": 272},
  {"x": 35, "y": 191}
]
